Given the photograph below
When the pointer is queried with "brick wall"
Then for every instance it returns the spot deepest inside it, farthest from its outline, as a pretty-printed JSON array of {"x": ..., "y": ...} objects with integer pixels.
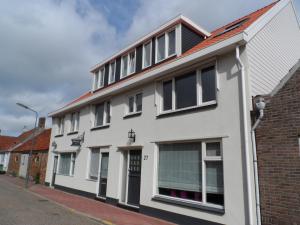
[
  {"x": 14, "y": 163},
  {"x": 279, "y": 156}
]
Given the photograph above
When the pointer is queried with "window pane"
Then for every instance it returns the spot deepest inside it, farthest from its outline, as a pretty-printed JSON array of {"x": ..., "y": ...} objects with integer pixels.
[
  {"x": 161, "y": 48},
  {"x": 112, "y": 72},
  {"x": 213, "y": 149},
  {"x": 65, "y": 164},
  {"x": 124, "y": 65},
  {"x": 77, "y": 121},
  {"x": 96, "y": 80},
  {"x": 167, "y": 95},
  {"x": 179, "y": 172},
  {"x": 104, "y": 165},
  {"x": 99, "y": 114},
  {"x": 73, "y": 118},
  {"x": 101, "y": 78},
  {"x": 171, "y": 49},
  {"x": 131, "y": 104},
  {"x": 107, "y": 112},
  {"x": 147, "y": 54},
  {"x": 186, "y": 90},
  {"x": 139, "y": 102},
  {"x": 208, "y": 82},
  {"x": 132, "y": 62},
  {"x": 94, "y": 163},
  {"x": 214, "y": 182},
  {"x": 73, "y": 163}
]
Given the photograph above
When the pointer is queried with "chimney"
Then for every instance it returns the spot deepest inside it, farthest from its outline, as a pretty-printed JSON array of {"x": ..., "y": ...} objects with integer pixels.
[{"x": 42, "y": 122}]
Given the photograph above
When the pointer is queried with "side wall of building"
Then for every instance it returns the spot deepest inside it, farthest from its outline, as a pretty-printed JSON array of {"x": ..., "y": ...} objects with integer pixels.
[
  {"x": 278, "y": 153},
  {"x": 14, "y": 163}
]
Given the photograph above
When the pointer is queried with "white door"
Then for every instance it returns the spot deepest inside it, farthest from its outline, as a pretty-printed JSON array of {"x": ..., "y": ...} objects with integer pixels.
[{"x": 23, "y": 165}]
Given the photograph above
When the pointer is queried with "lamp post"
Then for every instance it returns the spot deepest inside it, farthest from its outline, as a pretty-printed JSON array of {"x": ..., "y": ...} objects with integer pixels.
[{"x": 33, "y": 141}]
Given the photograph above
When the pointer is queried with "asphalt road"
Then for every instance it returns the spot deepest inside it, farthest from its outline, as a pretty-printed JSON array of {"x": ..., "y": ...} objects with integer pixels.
[{"x": 20, "y": 207}]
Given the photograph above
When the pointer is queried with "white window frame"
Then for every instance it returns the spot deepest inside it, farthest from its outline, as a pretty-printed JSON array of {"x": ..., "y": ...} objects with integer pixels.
[
  {"x": 94, "y": 119},
  {"x": 113, "y": 63},
  {"x": 74, "y": 128},
  {"x": 72, "y": 164},
  {"x": 128, "y": 64},
  {"x": 60, "y": 125},
  {"x": 144, "y": 53},
  {"x": 96, "y": 81},
  {"x": 200, "y": 103},
  {"x": 134, "y": 103},
  {"x": 204, "y": 159},
  {"x": 101, "y": 73},
  {"x": 166, "y": 34}
]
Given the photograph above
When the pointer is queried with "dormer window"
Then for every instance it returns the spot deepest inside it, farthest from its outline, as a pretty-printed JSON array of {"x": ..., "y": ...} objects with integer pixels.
[
  {"x": 128, "y": 64},
  {"x": 99, "y": 79},
  {"x": 147, "y": 54},
  {"x": 165, "y": 45},
  {"x": 60, "y": 126},
  {"x": 112, "y": 72}
]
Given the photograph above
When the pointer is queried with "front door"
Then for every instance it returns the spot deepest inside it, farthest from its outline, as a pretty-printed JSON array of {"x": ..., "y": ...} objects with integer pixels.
[
  {"x": 23, "y": 165},
  {"x": 134, "y": 177},
  {"x": 103, "y": 174},
  {"x": 54, "y": 170}
]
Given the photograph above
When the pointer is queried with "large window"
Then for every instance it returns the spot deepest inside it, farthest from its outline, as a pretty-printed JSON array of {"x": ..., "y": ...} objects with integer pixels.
[
  {"x": 112, "y": 72},
  {"x": 191, "y": 171},
  {"x": 94, "y": 163},
  {"x": 128, "y": 64},
  {"x": 74, "y": 122},
  {"x": 147, "y": 54},
  {"x": 135, "y": 103},
  {"x": 99, "y": 78},
  {"x": 190, "y": 90},
  {"x": 165, "y": 45},
  {"x": 67, "y": 164},
  {"x": 102, "y": 114},
  {"x": 60, "y": 125}
]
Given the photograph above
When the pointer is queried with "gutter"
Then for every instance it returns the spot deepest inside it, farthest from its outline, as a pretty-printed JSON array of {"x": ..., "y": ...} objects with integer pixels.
[{"x": 246, "y": 137}]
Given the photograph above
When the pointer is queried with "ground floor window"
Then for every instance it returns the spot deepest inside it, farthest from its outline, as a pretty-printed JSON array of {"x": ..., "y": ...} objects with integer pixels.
[
  {"x": 192, "y": 171},
  {"x": 67, "y": 164},
  {"x": 94, "y": 163}
]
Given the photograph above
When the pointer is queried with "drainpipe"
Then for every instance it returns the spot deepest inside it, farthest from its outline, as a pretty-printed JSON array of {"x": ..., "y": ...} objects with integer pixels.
[
  {"x": 245, "y": 131},
  {"x": 260, "y": 106}
]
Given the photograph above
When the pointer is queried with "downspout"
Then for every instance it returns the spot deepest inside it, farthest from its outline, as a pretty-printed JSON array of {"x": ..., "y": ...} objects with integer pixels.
[
  {"x": 260, "y": 105},
  {"x": 245, "y": 131}
]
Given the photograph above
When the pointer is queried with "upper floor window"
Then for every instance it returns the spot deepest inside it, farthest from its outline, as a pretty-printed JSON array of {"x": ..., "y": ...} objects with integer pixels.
[
  {"x": 74, "y": 122},
  {"x": 102, "y": 114},
  {"x": 165, "y": 45},
  {"x": 135, "y": 103},
  {"x": 99, "y": 79},
  {"x": 128, "y": 64},
  {"x": 60, "y": 125},
  {"x": 112, "y": 72},
  {"x": 147, "y": 54},
  {"x": 192, "y": 89}
]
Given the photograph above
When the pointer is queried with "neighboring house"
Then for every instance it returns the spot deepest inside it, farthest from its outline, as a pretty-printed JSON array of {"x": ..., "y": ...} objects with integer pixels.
[
  {"x": 166, "y": 128},
  {"x": 278, "y": 152},
  {"x": 5, "y": 144}
]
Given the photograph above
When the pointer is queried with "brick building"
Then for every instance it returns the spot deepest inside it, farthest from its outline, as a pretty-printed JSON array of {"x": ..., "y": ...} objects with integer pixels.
[{"x": 278, "y": 152}]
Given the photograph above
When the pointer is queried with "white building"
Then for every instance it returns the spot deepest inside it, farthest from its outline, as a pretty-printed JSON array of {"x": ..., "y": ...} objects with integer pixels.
[{"x": 166, "y": 127}]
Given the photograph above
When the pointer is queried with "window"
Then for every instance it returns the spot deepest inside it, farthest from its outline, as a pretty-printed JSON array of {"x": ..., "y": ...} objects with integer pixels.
[
  {"x": 112, "y": 72},
  {"x": 94, "y": 163},
  {"x": 96, "y": 81},
  {"x": 74, "y": 122},
  {"x": 60, "y": 126},
  {"x": 189, "y": 90},
  {"x": 135, "y": 103},
  {"x": 128, "y": 64},
  {"x": 102, "y": 114},
  {"x": 67, "y": 164},
  {"x": 147, "y": 54},
  {"x": 165, "y": 45},
  {"x": 99, "y": 79},
  {"x": 183, "y": 168},
  {"x": 103, "y": 174}
]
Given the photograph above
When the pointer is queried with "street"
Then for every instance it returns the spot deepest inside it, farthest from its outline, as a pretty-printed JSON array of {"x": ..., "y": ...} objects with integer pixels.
[{"x": 20, "y": 207}]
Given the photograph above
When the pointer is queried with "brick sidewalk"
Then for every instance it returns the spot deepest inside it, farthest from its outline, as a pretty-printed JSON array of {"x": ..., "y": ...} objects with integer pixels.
[{"x": 96, "y": 209}]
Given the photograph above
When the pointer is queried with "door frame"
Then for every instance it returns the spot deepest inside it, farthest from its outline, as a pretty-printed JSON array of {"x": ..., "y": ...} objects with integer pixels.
[
  {"x": 104, "y": 149},
  {"x": 54, "y": 174}
]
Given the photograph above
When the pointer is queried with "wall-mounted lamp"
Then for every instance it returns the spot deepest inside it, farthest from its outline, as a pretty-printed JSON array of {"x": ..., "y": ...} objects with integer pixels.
[
  {"x": 131, "y": 135},
  {"x": 78, "y": 141},
  {"x": 53, "y": 144}
]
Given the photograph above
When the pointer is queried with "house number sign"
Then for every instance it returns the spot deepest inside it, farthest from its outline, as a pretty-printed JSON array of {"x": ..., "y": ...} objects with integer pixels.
[{"x": 146, "y": 157}]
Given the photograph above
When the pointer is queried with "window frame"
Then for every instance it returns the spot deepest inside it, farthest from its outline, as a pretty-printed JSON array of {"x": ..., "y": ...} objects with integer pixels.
[
  {"x": 61, "y": 125},
  {"x": 199, "y": 96},
  {"x": 114, "y": 63},
  {"x": 128, "y": 64},
  {"x": 72, "y": 164},
  {"x": 134, "y": 95},
  {"x": 144, "y": 54},
  {"x": 74, "y": 128},
  {"x": 94, "y": 115},
  {"x": 166, "y": 51},
  {"x": 101, "y": 73},
  {"x": 204, "y": 160}
]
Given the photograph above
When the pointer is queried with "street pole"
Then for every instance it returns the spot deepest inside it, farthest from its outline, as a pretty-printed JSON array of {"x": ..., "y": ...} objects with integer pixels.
[{"x": 32, "y": 144}]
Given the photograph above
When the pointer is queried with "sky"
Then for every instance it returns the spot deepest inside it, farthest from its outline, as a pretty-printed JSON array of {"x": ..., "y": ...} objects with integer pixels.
[{"x": 48, "y": 47}]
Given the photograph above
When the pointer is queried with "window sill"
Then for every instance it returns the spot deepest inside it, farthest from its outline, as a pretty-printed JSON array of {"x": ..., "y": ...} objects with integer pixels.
[
  {"x": 73, "y": 132},
  {"x": 94, "y": 180},
  {"x": 183, "y": 110},
  {"x": 160, "y": 61},
  {"x": 65, "y": 175},
  {"x": 100, "y": 127},
  {"x": 190, "y": 204},
  {"x": 58, "y": 135},
  {"x": 130, "y": 115}
]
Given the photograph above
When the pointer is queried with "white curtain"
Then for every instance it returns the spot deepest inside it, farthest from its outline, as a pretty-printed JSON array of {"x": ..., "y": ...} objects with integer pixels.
[
  {"x": 214, "y": 177},
  {"x": 94, "y": 163},
  {"x": 65, "y": 163}
]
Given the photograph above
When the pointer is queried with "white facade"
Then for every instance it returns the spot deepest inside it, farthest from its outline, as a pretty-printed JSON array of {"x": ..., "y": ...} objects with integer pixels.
[{"x": 216, "y": 121}]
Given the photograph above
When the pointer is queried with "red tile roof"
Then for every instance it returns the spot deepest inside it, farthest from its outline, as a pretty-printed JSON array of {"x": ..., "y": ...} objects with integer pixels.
[
  {"x": 217, "y": 35},
  {"x": 42, "y": 141},
  {"x": 7, "y": 141}
]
